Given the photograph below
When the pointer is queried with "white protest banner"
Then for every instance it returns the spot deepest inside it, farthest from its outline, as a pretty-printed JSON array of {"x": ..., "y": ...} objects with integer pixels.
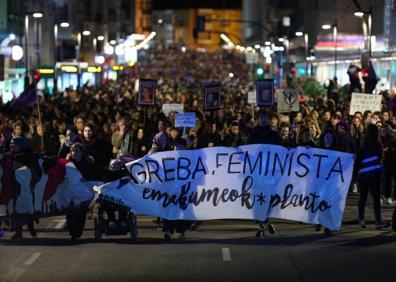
[
  {"x": 288, "y": 101},
  {"x": 248, "y": 182},
  {"x": 251, "y": 97},
  {"x": 33, "y": 192},
  {"x": 168, "y": 108},
  {"x": 363, "y": 102},
  {"x": 185, "y": 120}
]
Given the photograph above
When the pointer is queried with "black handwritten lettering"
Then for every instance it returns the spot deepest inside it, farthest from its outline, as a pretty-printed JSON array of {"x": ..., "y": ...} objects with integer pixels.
[{"x": 303, "y": 165}]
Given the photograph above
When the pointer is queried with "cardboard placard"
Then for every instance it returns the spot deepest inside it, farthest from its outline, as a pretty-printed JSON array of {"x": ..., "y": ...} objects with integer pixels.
[
  {"x": 185, "y": 120},
  {"x": 363, "y": 102}
]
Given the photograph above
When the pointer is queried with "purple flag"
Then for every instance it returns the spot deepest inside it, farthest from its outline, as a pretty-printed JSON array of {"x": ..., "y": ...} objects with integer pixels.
[
  {"x": 372, "y": 78},
  {"x": 26, "y": 99}
]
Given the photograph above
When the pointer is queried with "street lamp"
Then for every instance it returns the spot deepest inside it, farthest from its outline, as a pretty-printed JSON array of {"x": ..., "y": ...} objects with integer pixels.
[
  {"x": 299, "y": 33},
  {"x": 306, "y": 44},
  {"x": 326, "y": 26},
  {"x": 86, "y": 33},
  {"x": 37, "y": 15},
  {"x": 368, "y": 29},
  {"x": 358, "y": 14},
  {"x": 64, "y": 24},
  {"x": 335, "y": 33}
]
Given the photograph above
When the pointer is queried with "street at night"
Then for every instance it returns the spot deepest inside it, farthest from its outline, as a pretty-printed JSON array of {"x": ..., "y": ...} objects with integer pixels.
[{"x": 199, "y": 140}]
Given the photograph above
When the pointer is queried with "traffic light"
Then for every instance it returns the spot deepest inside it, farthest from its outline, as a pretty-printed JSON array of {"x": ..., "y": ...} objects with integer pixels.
[
  {"x": 260, "y": 71},
  {"x": 36, "y": 76},
  {"x": 292, "y": 68}
]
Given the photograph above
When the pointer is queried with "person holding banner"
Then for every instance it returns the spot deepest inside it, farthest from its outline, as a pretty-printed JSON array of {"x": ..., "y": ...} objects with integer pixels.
[
  {"x": 263, "y": 134},
  {"x": 368, "y": 172},
  {"x": 20, "y": 154},
  {"x": 85, "y": 164}
]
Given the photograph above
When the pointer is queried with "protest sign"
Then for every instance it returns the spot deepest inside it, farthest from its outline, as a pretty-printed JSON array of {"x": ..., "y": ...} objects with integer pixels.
[
  {"x": 212, "y": 97},
  {"x": 252, "y": 98},
  {"x": 185, "y": 120},
  {"x": 264, "y": 92},
  {"x": 249, "y": 182},
  {"x": 363, "y": 102},
  {"x": 147, "y": 89},
  {"x": 168, "y": 108},
  {"x": 288, "y": 101},
  {"x": 33, "y": 192}
]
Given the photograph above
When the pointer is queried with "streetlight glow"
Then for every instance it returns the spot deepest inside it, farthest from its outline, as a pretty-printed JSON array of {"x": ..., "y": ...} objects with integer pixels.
[
  {"x": 281, "y": 39},
  {"x": 86, "y": 33},
  {"x": 108, "y": 49},
  {"x": 16, "y": 52},
  {"x": 299, "y": 33},
  {"x": 12, "y": 36},
  {"x": 113, "y": 42},
  {"x": 64, "y": 24},
  {"x": 326, "y": 26},
  {"x": 267, "y": 43},
  {"x": 100, "y": 37},
  {"x": 358, "y": 14},
  {"x": 37, "y": 15},
  {"x": 257, "y": 46}
]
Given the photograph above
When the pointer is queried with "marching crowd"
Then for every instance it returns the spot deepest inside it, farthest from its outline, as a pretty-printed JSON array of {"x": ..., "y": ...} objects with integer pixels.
[{"x": 97, "y": 127}]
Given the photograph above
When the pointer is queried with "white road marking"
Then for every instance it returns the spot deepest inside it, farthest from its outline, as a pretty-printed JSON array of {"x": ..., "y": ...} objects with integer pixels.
[
  {"x": 226, "y": 254},
  {"x": 32, "y": 258},
  {"x": 14, "y": 274},
  {"x": 61, "y": 223}
]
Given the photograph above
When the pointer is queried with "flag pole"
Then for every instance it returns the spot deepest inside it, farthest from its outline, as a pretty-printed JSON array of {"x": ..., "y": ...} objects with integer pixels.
[{"x": 39, "y": 114}]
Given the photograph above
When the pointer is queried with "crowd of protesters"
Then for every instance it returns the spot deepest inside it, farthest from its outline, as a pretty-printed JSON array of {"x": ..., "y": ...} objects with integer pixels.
[{"x": 92, "y": 126}]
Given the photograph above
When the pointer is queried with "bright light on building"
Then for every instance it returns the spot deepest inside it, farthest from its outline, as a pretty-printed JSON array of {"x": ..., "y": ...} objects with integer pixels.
[
  {"x": 99, "y": 60},
  {"x": 160, "y": 21},
  {"x": 145, "y": 42},
  {"x": 326, "y": 26},
  {"x": 100, "y": 37},
  {"x": 183, "y": 49},
  {"x": 108, "y": 49},
  {"x": 113, "y": 42},
  {"x": 227, "y": 40},
  {"x": 299, "y": 33},
  {"x": 64, "y": 24},
  {"x": 37, "y": 15},
  {"x": 281, "y": 39},
  {"x": 12, "y": 36},
  {"x": 93, "y": 69},
  {"x": 120, "y": 49},
  {"x": 267, "y": 43},
  {"x": 16, "y": 52},
  {"x": 257, "y": 46},
  {"x": 231, "y": 75},
  {"x": 86, "y": 33}
]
